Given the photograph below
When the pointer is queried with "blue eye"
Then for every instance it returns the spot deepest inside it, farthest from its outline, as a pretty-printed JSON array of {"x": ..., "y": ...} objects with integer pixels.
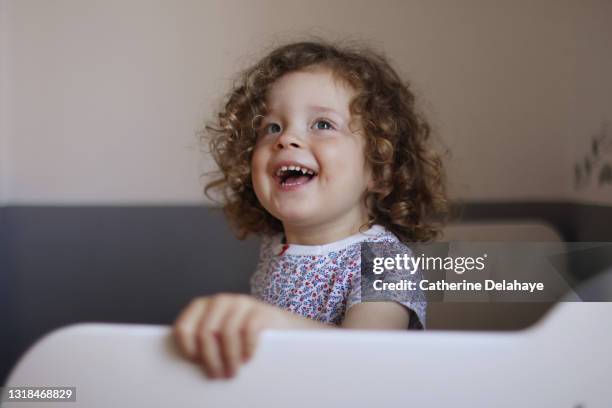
[
  {"x": 267, "y": 127},
  {"x": 324, "y": 122}
]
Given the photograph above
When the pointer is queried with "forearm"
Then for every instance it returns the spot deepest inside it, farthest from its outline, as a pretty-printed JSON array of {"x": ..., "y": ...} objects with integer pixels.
[
  {"x": 302, "y": 322},
  {"x": 377, "y": 316}
]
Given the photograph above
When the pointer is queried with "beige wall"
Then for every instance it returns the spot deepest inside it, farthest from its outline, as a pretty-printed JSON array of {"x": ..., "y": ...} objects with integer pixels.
[
  {"x": 102, "y": 98},
  {"x": 4, "y": 105},
  {"x": 591, "y": 116}
]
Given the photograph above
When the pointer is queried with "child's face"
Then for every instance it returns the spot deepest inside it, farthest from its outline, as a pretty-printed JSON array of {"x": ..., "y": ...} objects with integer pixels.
[{"x": 296, "y": 132}]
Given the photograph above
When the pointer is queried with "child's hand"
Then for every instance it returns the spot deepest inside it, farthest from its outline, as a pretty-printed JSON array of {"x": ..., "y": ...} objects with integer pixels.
[{"x": 221, "y": 331}]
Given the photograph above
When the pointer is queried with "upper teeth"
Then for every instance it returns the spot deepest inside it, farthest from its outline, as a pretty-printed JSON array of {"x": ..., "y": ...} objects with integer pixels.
[{"x": 283, "y": 169}]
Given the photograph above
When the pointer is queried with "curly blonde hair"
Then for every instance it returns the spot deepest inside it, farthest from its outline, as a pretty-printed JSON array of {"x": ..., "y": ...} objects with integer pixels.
[{"x": 410, "y": 195}]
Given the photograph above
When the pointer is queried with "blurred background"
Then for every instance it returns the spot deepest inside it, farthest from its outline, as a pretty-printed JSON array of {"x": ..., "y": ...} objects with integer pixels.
[{"x": 102, "y": 215}]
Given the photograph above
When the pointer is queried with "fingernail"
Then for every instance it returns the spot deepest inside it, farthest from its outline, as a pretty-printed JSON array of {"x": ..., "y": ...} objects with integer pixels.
[
  {"x": 211, "y": 372},
  {"x": 207, "y": 372}
]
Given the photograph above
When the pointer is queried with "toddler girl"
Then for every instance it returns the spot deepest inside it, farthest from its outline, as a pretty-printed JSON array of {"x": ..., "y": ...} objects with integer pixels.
[{"x": 319, "y": 148}]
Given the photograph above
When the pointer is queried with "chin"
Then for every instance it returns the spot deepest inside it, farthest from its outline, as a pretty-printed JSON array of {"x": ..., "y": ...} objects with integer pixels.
[{"x": 295, "y": 218}]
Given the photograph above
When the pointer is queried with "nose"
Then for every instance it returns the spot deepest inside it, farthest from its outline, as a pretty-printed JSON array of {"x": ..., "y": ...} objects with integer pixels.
[{"x": 287, "y": 139}]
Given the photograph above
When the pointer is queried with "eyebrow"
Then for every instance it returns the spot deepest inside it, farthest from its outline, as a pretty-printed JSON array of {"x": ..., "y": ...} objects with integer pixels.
[
  {"x": 316, "y": 108},
  {"x": 323, "y": 109}
]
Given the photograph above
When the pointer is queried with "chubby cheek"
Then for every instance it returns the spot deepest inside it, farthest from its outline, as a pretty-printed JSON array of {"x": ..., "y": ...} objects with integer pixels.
[{"x": 344, "y": 167}]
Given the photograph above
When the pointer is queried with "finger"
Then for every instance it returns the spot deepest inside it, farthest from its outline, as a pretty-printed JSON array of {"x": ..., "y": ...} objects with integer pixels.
[
  {"x": 252, "y": 330},
  {"x": 231, "y": 339},
  {"x": 184, "y": 328},
  {"x": 207, "y": 334}
]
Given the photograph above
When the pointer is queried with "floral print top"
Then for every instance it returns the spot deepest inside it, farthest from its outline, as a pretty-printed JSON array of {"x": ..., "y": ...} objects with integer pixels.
[{"x": 322, "y": 281}]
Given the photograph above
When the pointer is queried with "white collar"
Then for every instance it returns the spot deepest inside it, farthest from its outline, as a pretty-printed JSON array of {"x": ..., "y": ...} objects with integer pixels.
[{"x": 295, "y": 249}]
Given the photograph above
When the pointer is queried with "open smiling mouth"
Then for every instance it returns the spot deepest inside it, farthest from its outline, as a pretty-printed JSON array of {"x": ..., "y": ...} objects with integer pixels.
[{"x": 294, "y": 176}]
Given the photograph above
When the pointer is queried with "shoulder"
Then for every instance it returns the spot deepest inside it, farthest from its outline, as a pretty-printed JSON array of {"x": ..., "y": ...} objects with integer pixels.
[
  {"x": 384, "y": 244},
  {"x": 270, "y": 244}
]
